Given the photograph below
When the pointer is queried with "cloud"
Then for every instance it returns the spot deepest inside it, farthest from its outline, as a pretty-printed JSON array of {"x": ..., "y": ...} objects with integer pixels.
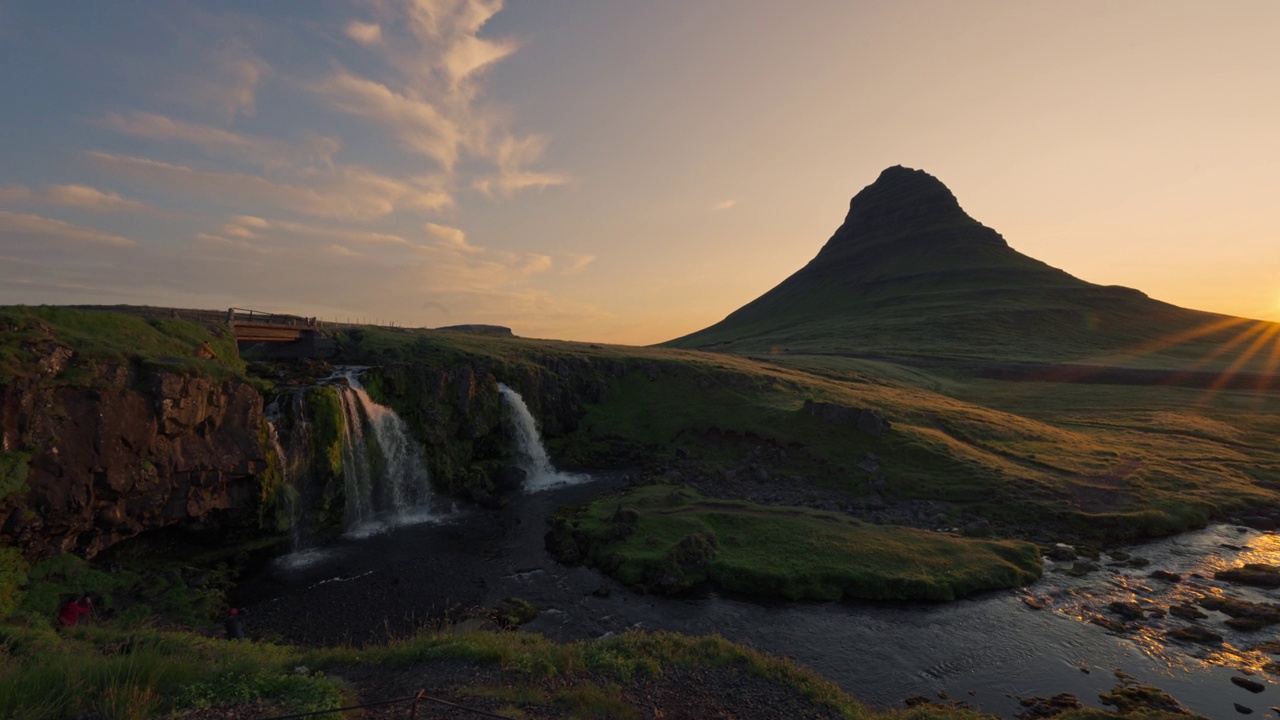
[
  {"x": 420, "y": 126},
  {"x": 228, "y": 84},
  {"x": 16, "y": 227},
  {"x": 451, "y": 238},
  {"x": 511, "y": 155},
  {"x": 577, "y": 264},
  {"x": 724, "y": 204},
  {"x": 342, "y": 251},
  {"x": 431, "y": 102},
  {"x": 80, "y": 197},
  {"x": 344, "y": 192},
  {"x": 364, "y": 33},
  {"x": 269, "y": 152}
]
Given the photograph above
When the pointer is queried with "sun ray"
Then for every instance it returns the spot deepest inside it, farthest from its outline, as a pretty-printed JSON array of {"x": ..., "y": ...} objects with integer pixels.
[
  {"x": 1244, "y": 336},
  {"x": 1186, "y": 336},
  {"x": 1273, "y": 363},
  {"x": 1265, "y": 332}
]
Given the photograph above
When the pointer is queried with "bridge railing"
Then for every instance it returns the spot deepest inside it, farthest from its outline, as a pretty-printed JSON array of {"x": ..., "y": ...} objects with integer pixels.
[{"x": 258, "y": 317}]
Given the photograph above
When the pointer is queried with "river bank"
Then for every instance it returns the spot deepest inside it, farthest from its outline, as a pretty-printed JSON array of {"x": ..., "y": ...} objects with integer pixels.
[{"x": 988, "y": 650}]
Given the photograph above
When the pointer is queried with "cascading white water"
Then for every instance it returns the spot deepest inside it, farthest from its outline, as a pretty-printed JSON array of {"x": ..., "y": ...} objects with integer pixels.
[
  {"x": 532, "y": 456},
  {"x": 383, "y": 468}
]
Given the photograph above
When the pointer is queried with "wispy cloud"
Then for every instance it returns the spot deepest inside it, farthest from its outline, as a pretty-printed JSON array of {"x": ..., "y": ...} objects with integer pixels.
[
  {"x": 577, "y": 263},
  {"x": 451, "y": 238},
  {"x": 345, "y": 192},
  {"x": 17, "y": 227},
  {"x": 364, "y": 33},
  {"x": 724, "y": 204},
  {"x": 269, "y": 152},
  {"x": 81, "y": 197},
  {"x": 421, "y": 126},
  {"x": 431, "y": 104}
]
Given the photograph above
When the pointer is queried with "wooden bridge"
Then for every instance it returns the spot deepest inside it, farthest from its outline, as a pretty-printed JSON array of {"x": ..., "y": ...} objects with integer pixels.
[
  {"x": 253, "y": 326},
  {"x": 272, "y": 336}
]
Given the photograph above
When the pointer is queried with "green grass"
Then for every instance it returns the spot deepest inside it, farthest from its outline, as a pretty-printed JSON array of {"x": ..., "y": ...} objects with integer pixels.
[
  {"x": 125, "y": 674},
  {"x": 114, "y": 338},
  {"x": 790, "y": 552},
  {"x": 1092, "y": 462}
]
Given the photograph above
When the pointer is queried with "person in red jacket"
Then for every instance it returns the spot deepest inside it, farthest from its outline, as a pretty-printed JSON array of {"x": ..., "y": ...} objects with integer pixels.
[{"x": 71, "y": 613}]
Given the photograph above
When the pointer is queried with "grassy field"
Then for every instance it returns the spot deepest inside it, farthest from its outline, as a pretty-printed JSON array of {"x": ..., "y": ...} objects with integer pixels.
[
  {"x": 97, "y": 337},
  {"x": 662, "y": 535},
  {"x": 1100, "y": 463}
]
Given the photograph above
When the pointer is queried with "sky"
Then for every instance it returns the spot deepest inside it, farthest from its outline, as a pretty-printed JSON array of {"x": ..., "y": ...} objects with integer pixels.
[{"x": 612, "y": 170}]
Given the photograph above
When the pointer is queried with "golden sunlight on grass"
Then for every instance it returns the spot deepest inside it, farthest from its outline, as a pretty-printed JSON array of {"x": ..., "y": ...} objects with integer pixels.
[{"x": 1266, "y": 333}]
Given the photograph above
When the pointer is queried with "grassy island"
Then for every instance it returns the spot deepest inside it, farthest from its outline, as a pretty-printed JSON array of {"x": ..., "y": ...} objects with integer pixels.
[{"x": 667, "y": 539}]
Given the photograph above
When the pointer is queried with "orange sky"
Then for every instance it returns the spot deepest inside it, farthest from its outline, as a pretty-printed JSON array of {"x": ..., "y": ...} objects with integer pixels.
[{"x": 618, "y": 171}]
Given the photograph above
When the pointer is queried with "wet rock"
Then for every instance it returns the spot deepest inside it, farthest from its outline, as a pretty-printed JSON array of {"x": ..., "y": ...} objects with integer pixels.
[
  {"x": 1134, "y": 698},
  {"x": 1119, "y": 555},
  {"x": 1111, "y": 624},
  {"x": 1165, "y": 575},
  {"x": 1245, "y": 615},
  {"x": 1195, "y": 634},
  {"x": 1186, "y": 612},
  {"x": 1128, "y": 610},
  {"x": 1035, "y": 603},
  {"x": 1252, "y": 686},
  {"x": 916, "y": 700},
  {"x": 1080, "y": 568},
  {"x": 1258, "y": 521},
  {"x": 1060, "y": 552},
  {"x": 1242, "y": 709},
  {"x": 1039, "y": 707},
  {"x": 1254, "y": 574}
]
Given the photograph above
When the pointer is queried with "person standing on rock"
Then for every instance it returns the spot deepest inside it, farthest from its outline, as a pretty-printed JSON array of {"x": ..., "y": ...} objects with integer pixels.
[
  {"x": 73, "y": 610},
  {"x": 234, "y": 623}
]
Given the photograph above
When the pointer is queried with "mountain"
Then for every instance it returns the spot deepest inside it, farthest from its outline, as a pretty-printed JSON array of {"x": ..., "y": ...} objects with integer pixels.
[{"x": 909, "y": 274}]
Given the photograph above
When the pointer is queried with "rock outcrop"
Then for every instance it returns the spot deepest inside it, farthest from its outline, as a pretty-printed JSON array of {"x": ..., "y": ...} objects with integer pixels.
[{"x": 129, "y": 452}]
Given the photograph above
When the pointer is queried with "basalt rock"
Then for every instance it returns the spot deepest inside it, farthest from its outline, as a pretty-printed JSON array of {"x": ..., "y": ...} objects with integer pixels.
[{"x": 133, "y": 451}]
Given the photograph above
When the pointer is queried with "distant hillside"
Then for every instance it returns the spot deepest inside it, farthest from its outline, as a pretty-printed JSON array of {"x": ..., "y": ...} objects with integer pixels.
[{"x": 910, "y": 274}]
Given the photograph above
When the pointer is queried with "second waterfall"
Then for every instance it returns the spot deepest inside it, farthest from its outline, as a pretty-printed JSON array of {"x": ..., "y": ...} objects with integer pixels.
[
  {"x": 383, "y": 468},
  {"x": 540, "y": 474}
]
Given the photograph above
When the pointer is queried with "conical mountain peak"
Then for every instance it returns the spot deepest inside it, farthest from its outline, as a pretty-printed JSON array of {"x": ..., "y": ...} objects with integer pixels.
[
  {"x": 902, "y": 195},
  {"x": 910, "y": 269}
]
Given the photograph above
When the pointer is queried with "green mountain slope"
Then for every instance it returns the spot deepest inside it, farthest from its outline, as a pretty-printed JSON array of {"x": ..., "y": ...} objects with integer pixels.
[{"x": 910, "y": 274}]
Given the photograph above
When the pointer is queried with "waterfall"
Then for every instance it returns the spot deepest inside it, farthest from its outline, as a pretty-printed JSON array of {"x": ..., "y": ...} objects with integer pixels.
[
  {"x": 532, "y": 456},
  {"x": 383, "y": 468}
]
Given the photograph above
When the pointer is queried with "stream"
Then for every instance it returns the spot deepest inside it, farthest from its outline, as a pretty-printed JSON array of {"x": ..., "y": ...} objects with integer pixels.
[{"x": 986, "y": 650}]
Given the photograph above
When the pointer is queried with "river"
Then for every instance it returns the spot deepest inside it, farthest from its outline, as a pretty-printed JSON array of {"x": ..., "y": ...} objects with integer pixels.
[{"x": 986, "y": 650}]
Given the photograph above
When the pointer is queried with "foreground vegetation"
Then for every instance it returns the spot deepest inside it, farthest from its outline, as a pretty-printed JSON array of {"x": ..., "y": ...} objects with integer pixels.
[
  {"x": 130, "y": 673},
  {"x": 668, "y": 539}
]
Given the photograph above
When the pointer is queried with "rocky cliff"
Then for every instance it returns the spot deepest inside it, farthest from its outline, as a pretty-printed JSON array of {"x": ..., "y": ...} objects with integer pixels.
[{"x": 122, "y": 451}]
